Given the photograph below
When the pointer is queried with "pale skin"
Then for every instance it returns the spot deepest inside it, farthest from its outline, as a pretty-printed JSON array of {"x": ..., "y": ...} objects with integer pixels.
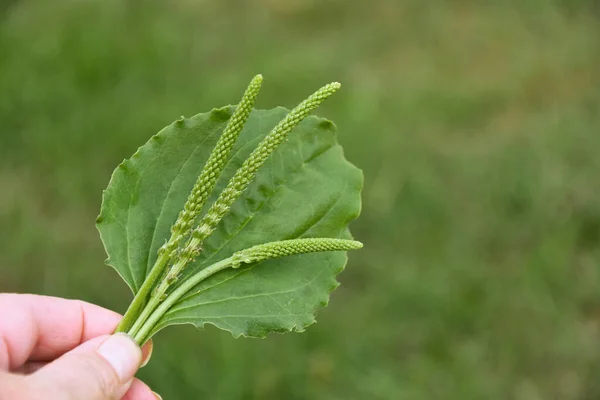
[{"x": 58, "y": 349}]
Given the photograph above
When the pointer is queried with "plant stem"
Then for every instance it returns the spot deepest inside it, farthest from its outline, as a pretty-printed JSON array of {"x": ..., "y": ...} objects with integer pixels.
[
  {"x": 140, "y": 298},
  {"x": 141, "y": 336},
  {"x": 161, "y": 290}
]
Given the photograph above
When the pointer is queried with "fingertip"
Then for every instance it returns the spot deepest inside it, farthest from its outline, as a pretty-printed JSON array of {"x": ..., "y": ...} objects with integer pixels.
[
  {"x": 101, "y": 368},
  {"x": 123, "y": 354},
  {"x": 140, "y": 391}
]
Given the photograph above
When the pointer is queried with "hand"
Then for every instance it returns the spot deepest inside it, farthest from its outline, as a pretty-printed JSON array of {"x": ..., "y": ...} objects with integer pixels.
[{"x": 57, "y": 349}]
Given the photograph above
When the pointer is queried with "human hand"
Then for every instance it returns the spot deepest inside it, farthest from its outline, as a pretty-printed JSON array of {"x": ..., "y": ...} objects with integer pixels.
[{"x": 58, "y": 349}]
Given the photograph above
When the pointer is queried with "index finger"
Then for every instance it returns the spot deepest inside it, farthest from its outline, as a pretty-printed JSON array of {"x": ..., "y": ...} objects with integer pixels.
[{"x": 42, "y": 328}]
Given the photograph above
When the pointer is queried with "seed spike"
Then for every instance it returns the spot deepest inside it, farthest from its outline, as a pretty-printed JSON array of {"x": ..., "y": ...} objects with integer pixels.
[
  {"x": 291, "y": 247},
  {"x": 246, "y": 173},
  {"x": 213, "y": 167}
]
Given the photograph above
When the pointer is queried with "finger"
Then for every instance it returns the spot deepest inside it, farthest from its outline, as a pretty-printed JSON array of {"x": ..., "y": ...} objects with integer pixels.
[
  {"x": 140, "y": 391},
  {"x": 30, "y": 367},
  {"x": 100, "y": 369},
  {"x": 42, "y": 328},
  {"x": 13, "y": 386},
  {"x": 93, "y": 343}
]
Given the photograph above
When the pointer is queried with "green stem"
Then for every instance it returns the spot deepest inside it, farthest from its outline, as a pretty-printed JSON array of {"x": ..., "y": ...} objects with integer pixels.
[
  {"x": 142, "y": 335},
  {"x": 161, "y": 290},
  {"x": 142, "y": 295}
]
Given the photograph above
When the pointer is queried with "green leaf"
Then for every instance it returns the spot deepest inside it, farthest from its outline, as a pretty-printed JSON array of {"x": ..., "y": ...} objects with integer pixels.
[{"x": 305, "y": 189}]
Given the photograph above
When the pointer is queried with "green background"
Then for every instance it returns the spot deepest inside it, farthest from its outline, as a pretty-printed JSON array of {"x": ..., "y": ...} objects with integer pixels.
[{"x": 477, "y": 125}]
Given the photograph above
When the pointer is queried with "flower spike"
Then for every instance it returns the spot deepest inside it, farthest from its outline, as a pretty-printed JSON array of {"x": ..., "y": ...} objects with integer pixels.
[
  {"x": 245, "y": 175},
  {"x": 213, "y": 167},
  {"x": 291, "y": 247}
]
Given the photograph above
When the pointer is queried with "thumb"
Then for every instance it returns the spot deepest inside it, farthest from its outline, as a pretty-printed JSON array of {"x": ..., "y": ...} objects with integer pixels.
[{"x": 100, "y": 369}]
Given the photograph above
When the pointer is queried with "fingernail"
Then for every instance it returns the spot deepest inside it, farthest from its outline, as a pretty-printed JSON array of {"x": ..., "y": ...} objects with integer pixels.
[
  {"x": 123, "y": 354},
  {"x": 158, "y": 397},
  {"x": 148, "y": 354}
]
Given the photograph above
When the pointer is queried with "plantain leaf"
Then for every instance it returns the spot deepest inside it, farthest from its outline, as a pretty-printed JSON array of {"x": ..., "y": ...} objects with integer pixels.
[{"x": 305, "y": 189}]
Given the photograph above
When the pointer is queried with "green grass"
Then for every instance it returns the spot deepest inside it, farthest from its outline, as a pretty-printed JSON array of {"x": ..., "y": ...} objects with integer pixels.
[{"x": 477, "y": 127}]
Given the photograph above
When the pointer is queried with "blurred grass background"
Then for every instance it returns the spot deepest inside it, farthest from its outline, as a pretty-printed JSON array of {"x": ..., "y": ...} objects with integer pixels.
[{"x": 477, "y": 125}]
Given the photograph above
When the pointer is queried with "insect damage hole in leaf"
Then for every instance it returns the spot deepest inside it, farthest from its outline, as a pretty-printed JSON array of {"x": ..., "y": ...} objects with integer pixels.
[{"x": 237, "y": 217}]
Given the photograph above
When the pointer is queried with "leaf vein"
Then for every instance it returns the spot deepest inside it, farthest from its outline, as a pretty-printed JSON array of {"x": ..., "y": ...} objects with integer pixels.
[
  {"x": 245, "y": 297},
  {"x": 127, "y": 230},
  {"x": 242, "y": 316}
]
